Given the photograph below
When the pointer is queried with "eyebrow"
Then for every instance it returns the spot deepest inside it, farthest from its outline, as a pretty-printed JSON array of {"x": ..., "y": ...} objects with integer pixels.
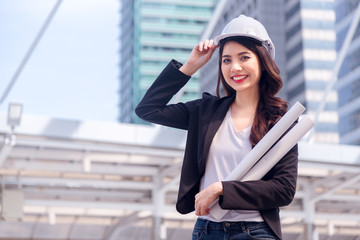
[{"x": 241, "y": 53}]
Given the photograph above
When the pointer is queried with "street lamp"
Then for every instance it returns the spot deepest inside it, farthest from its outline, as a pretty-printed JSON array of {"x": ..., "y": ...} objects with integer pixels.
[
  {"x": 12, "y": 200},
  {"x": 13, "y": 119},
  {"x": 14, "y": 115}
]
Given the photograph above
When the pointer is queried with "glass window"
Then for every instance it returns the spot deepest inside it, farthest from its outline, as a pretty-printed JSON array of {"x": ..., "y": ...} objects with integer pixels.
[
  {"x": 345, "y": 8},
  {"x": 349, "y": 93},
  {"x": 329, "y": 106},
  {"x": 326, "y": 127},
  {"x": 340, "y": 37},
  {"x": 297, "y": 90},
  {"x": 316, "y": 24},
  {"x": 295, "y": 70},
  {"x": 294, "y": 30},
  {"x": 294, "y": 51},
  {"x": 351, "y": 62},
  {"x": 315, "y": 64},
  {"x": 292, "y": 11},
  {"x": 307, "y": 43},
  {"x": 349, "y": 122},
  {"x": 311, "y": 4}
]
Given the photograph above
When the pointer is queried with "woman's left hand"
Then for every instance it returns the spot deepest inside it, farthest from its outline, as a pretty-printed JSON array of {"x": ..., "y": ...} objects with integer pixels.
[
  {"x": 207, "y": 196},
  {"x": 199, "y": 56}
]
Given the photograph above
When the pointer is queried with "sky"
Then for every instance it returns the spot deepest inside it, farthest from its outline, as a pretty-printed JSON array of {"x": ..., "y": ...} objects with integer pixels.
[{"x": 73, "y": 72}]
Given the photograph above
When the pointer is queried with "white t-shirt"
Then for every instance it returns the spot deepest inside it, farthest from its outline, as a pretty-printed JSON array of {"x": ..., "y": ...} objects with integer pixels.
[{"x": 227, "y": 149}]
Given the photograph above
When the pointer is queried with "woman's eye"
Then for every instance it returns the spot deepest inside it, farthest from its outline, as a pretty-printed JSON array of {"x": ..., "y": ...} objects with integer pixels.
[
  {"x": 226, "y": 60},
  {"x": 244, "y": 57}
]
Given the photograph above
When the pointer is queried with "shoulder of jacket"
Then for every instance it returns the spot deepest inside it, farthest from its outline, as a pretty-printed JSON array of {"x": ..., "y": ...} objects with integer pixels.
[{"x": 209, "y": 98}]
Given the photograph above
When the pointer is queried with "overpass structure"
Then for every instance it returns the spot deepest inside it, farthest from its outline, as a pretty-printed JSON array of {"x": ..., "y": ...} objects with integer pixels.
[{"x": 66, "y": 179}]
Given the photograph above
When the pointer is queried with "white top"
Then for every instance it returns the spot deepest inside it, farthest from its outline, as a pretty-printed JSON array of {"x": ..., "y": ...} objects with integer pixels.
[{"x": 227, "y": 149}]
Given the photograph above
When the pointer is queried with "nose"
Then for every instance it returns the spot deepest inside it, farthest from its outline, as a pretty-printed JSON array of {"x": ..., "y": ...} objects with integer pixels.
[{"x": 236, "y": 66}]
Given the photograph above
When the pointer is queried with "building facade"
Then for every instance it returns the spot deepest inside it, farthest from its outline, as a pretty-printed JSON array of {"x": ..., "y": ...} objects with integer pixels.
[
  {"x": 348, "y": 83},
  {"x": 152, "y": 33},
  {"x": 311, "y": 55}
]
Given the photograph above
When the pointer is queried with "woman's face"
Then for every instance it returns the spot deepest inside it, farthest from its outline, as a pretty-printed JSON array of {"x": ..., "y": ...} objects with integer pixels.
[{"x": 240, "y": 67}]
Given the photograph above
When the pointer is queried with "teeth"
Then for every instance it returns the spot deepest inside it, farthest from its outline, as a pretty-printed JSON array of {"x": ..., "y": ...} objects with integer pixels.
[{"x": 238, "y": 78}]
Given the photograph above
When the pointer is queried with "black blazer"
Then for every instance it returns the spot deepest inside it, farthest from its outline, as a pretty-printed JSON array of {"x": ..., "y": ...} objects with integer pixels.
[{"x": 202, "y": 118}]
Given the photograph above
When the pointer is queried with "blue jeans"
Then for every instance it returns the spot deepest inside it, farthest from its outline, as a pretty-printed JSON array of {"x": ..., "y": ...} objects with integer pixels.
[{"x": 208, "y": 230}]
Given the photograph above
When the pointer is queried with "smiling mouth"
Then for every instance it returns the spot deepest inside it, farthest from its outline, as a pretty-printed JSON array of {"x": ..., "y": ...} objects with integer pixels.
[{"x": 239, "y": 78}]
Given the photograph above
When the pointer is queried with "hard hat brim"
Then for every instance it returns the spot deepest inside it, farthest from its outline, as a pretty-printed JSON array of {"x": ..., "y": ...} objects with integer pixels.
[{"x": 267, "y": 44}]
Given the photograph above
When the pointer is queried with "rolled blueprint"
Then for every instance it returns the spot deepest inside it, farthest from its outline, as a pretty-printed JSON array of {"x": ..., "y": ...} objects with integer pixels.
[
  {"x": 267, "y": 141},
  {"x": 274, "y": 155},
  {"x": 270, "y": 159}
]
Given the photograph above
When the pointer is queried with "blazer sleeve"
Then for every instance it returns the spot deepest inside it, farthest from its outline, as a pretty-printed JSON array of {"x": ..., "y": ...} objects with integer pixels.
[
  {"x": 154, "y": 106},
  {"x": 275, "y": 189}
]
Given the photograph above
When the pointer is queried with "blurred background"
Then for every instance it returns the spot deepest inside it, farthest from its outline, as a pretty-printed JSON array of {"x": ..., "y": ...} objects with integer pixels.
[
  {"x": 75, "y": 161},
  {"x": 63, "y": 56}
]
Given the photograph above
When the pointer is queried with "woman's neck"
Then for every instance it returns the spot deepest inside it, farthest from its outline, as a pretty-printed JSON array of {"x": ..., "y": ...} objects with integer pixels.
[
  {"x": 243, "y": 110},
  {"x": 245, "y": 101}
]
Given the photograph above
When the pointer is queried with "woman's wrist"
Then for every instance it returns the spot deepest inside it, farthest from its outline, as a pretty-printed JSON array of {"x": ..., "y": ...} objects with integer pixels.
[
  {"x": 219, "y": 188},
  {"x": 188, "y": 69}
]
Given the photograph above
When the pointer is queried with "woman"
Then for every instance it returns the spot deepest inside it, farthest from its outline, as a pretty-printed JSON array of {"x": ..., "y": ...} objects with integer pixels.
[{"x": 222, "y": 130}]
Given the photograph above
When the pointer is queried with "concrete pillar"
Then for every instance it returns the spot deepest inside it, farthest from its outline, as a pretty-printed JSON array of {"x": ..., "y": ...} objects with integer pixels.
[{"x": 309, "y": 208}]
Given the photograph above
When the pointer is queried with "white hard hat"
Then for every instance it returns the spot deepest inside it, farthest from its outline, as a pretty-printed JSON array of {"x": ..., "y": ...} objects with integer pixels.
[{"x": 244, "y": 26}]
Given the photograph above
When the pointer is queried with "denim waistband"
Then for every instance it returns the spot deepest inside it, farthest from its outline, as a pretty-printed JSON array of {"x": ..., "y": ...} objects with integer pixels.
[{"x": 243, "y": 226}]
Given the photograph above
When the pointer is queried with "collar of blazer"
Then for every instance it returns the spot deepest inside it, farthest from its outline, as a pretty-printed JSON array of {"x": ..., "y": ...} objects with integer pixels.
[{"x": 214, "y": 124}]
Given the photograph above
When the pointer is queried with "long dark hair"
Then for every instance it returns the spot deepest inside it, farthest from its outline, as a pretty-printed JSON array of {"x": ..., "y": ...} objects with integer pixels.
[{"x": 270, "y": 108}]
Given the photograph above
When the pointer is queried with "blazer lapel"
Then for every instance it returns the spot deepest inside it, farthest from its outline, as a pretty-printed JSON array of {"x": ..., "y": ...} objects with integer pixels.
[{"x": 213, "y": 126}]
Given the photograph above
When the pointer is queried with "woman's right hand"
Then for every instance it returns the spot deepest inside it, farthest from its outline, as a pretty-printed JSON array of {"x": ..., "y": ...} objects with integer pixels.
[{"x": 199, "y": 56}]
